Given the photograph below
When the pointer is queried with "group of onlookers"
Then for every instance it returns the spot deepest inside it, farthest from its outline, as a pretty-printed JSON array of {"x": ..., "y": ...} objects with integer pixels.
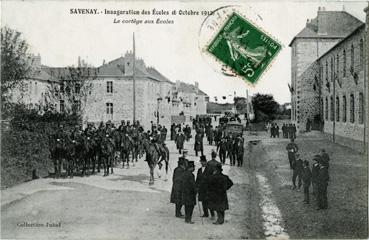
[
  {"x": 317, "y": 176},
  {"x": 210, "y": 186}
]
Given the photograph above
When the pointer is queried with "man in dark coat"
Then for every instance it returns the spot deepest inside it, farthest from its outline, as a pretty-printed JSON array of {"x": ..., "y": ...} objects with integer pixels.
[
  {"x": 213, "y": 163},
  {"x": 188, "y": 186},
  {"x": 292, "y": 149},
  {"x": 176, "y": 194},
  {"x": 222, "y": 147},
  {"x": 324, "y": 157},
  {"x": 201, "y": 184},
  {"x": 239, "y": 150},
  {"x": 323, "y": 178},
  {"x": 297, "y": 166},
  {"x": 198, "y": 146},
  {"x": 314, "y": 174},
  {"x": 306, "y": 179},
  {"x": 180, "y": 138},
  {"x": 218, "y": 184}
]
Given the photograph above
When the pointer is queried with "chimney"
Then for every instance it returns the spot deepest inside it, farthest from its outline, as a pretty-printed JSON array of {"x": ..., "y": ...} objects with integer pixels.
[
  {"x": 103, "y": 62},
  {"x": 322, "y": 21},
  {"x": 79, "y": 61},
  {"x": 197, "y": 87},
  {"x": 36, "y": 61}
]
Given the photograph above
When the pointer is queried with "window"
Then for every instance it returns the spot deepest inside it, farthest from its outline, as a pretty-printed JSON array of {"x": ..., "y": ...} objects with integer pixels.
[
  {"x": 344, "y": 109},
  {"x": 361, "y": 108},
  {"x": 337, "y": 109},
  {"x": 36, "y": 89},
  {"x": 361, "y": 53},
  {"x": 326, "y": 108},
  {"x": 331, "y": 110},
  {"x": 109, "y": 87},
  {"x": 338, "y": 65},
  {"x": 77, "y": 88},
  {"x": 352, "y": 108},
  {"x": 62, "y": 87},
  {"x": 344, "y": 63},
  {"x": 109, "y": 108},
  {"x": 62, "y": 106},
  {"x": 352, "y": 58},
  {"x": 326, "y": 70},
  {"x": 332, "y": 69}
]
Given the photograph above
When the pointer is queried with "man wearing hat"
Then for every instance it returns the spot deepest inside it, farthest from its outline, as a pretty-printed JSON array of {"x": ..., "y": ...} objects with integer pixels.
[
  {"x": 176, "y": 194},
  {"x": 314, "y": 175},
  {"x": 212, "y": 164},
  {"x": 180, "y": 138},
  {"x": 218, "y": 184},
  {"x": 188, "y": 186},
  {"x": 201, "y": 184},
  {"x": 297, "y": 166},
  {"x": 291, "y": 150},
  {"x": 324, "y": 157},
  {"x": 323, "y": 178}
]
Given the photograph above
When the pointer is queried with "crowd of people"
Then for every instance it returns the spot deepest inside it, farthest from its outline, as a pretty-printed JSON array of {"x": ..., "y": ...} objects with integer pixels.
[
  {"x": 210, "y": 186},
  {"x": 288, "y": 130},
  {"x": 317, "y": 175},
  {"x": 228, "y": 146},
  {"x": 81, "y": 151}
]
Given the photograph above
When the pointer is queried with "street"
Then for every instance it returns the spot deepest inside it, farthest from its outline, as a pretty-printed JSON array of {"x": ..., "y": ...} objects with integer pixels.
[{"x": 262, "y": 205}]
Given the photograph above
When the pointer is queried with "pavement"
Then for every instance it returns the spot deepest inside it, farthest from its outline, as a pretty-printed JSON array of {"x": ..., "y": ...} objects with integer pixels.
[{"x": 124, "y": 206}]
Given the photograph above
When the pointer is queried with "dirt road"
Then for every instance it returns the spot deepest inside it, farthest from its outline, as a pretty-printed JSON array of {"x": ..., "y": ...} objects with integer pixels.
[{"x": 124, "y": 206}]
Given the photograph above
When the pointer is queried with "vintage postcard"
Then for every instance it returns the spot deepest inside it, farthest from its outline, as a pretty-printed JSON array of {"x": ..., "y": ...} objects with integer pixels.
[{"x": 184, "y": 119}]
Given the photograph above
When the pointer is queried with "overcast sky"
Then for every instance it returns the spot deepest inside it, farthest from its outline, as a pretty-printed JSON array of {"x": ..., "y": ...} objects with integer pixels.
[{"x": 60, "y": 37}]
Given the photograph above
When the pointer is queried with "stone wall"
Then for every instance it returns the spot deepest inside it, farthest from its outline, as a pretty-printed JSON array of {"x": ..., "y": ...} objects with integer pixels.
[{"x": 307, "y": 103}]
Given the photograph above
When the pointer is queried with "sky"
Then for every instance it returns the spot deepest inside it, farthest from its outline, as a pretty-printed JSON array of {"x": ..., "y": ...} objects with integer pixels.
[{"x": 173, "y": 49}]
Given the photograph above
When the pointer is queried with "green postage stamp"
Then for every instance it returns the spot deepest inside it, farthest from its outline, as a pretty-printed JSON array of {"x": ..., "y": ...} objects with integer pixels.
[{"x": 244, "y": 48}]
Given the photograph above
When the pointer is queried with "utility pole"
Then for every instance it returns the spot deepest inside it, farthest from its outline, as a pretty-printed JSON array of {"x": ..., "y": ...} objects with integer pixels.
[{"x": 134, "y": 80}]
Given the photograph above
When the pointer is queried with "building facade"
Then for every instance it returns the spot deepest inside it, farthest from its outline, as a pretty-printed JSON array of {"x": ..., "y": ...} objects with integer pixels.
[
  {"x": 329, "y": 78},
  {"x": 110, "y": 93}
]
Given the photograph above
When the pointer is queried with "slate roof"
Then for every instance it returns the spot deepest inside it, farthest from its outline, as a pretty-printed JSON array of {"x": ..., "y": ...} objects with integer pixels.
[
  {"x": 189, "y": 88},
  {"x": 338, "y": 24},
  {"x": 114, "y": 68},
  {"x": 41, "y": 75}
]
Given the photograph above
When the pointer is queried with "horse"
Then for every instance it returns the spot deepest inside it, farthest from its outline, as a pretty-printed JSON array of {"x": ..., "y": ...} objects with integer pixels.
[
  {"x": 57, "y": 153},
  {"x": 87, "y": 154},
  {"x": 152, "y": 157},
  {"x": 126, "y": 149}
]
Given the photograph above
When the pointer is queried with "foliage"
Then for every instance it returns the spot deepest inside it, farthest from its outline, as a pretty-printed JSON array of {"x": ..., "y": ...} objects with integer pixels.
[
  {"x": 73, "y": 88},
  {"x": 15, "y": 63},
  {"x": 240, "y": 104},
  {"x": 265, "y": 107}
]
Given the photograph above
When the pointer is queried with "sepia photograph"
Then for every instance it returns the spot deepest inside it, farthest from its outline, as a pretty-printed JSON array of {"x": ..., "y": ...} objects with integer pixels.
[{"x": 184, "y": 119}]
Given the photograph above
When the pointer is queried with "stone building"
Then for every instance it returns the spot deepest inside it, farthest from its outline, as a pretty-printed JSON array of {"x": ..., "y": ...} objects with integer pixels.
[
  {"x": 110, "y": 93},
  {"x": 329, "y": 77}
]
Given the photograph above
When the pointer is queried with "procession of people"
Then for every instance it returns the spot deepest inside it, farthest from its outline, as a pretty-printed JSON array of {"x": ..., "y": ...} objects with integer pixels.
[{"x": 85, "y": 151}]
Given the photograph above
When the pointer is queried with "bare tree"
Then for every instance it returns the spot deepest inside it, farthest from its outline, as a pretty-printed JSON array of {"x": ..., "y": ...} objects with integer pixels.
[{"x": 71, "y": 92}]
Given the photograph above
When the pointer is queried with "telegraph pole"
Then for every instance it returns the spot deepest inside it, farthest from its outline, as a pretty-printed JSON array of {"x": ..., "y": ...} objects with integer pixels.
[{"x": 134, "y": 80}]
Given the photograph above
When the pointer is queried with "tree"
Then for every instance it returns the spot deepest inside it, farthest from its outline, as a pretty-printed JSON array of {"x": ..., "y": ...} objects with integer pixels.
[
  {"x": 71, "y": 92},
  {"x": 240, "y": 104},
  {"x": 264, "y": 106},
  {"x": 15, "y": 64}
]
